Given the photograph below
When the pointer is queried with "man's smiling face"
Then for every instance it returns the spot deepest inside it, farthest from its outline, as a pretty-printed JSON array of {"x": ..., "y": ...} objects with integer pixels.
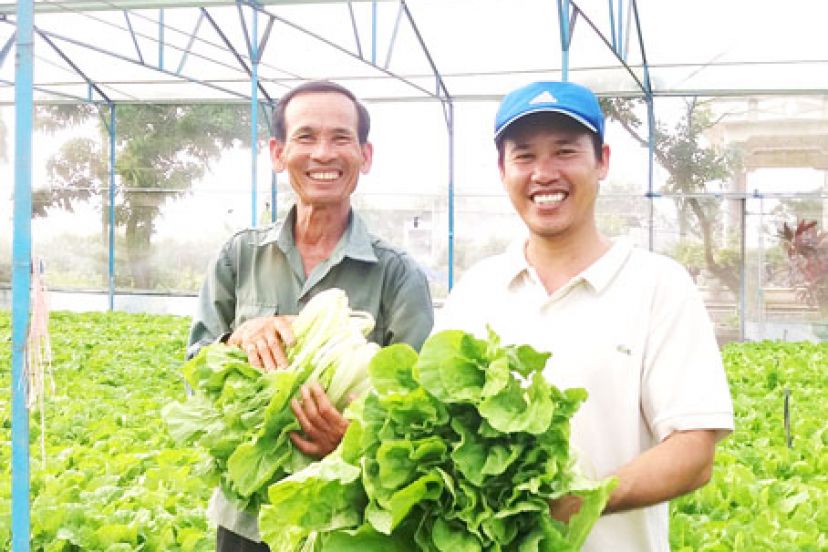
[
  {"x": 321, "y": 151},
  {"x": 551, "y": 174}
]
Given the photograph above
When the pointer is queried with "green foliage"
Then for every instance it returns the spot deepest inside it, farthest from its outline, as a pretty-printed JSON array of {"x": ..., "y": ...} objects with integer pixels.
[
  {"x": 807, "y": 250},
  {"x": 765, "y": 496},
  {"x": 161, "y": 151},
  {"x": 692, "y": 164},
  {"x": 460, "y": 448},
  {"x": 113, "y": 480}
]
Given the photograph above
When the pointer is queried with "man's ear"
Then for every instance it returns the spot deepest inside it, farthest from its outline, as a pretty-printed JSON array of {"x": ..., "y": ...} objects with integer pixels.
[
  {"x": 277, "y": 148},
  {"x": 605, "y": 161},
  {"x": 367, "y": 157}
]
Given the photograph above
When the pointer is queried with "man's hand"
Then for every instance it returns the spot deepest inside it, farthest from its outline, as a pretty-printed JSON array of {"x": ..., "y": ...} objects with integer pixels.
[
  {"x": 679, "y": 464},
  {"x": 264, "y": 340},
  {"x": 322, "y": 424},
  {"x": 565, "y": 507}
]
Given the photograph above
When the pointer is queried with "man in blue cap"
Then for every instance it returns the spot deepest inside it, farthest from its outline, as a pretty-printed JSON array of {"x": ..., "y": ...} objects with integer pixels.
[{"x": 626, "y": 324}]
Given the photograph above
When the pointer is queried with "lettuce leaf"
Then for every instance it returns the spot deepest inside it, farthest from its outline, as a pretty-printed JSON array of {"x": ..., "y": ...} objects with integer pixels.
[{"x": 459, "y": 448}]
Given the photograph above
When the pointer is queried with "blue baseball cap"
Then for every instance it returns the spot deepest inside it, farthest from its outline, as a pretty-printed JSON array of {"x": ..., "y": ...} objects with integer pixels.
[{"x": 568, "y": 98}]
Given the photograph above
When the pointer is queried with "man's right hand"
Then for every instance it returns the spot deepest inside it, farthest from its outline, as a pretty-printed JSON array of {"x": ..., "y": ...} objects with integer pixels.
[{"x": 264, "y": 340}]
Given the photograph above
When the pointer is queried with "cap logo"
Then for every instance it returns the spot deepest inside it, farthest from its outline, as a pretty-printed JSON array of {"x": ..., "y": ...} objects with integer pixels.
[{"x": 543, "y": 98}]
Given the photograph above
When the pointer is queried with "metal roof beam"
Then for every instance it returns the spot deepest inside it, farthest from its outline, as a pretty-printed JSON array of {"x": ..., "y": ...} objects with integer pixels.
[
  {"x": 134, "y": 38},
  {"x": 393, "y": 40},
  {"x": 340, "y": 49},
  {"x": 233, "y": 50},
  {"x": 7, "y": 47},
  {"x": 609, "y": 45},
  {"x": 47, "y": 6},
  {"x": 72, "y": 64},
  {"x": 190, "y": 43},
  {"x": 231, "y": 93},
  {"x": 356, "y": 31},
  {"x": 439, "y": 79},
  {"x": 69, "y": 97}
]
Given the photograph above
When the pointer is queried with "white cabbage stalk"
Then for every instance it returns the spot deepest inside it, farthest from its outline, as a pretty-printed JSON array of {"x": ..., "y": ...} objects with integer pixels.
[
  {"x": 350, "y": 380},
  {"x": 331, "y": 347}
]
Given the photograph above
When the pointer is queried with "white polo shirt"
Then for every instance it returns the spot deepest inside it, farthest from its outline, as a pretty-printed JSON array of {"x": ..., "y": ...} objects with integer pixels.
[{"x": 632, "y": 329}]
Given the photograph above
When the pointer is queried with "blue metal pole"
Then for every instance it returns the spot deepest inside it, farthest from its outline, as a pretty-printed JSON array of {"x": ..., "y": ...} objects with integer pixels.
[
  {"x": 273, "y": 187},
  {"x": 612, "y": 26},
  {"x": 450, "y": 111},
  {"x": 651, "y": 127},
  {"x": 111, "y": 207},
  {"x": 21, "y": 272},
  {"x": 272, "y": 196},
  {"x": 620, "y": 22},
  {"x": 563, "y": 24},
  {"x": 374, "y": 32},
  {"x": 254, "y": 112},
  {"x": 161, "y": 38}
]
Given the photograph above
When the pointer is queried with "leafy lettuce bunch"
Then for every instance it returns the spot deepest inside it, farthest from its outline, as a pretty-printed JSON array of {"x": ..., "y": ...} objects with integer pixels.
[
  {"x": 241, "y": 415},
  {"x": 459, "y": 449}
]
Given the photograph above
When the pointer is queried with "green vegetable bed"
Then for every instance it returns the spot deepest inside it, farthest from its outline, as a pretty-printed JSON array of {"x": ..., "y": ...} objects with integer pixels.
[
  {"x": 763, "y": 494},
  {"x": 114, "y": 481}
]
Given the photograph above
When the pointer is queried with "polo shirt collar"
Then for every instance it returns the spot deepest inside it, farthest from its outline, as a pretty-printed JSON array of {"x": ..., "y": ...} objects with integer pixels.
[
  {"x": 516, "y": 264},
  {"x": 355, "y": 243},
  {"x": 598, "y": 275}
]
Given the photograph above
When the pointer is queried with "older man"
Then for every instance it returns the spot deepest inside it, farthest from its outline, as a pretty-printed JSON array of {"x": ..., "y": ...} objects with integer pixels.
[{"x": 262, "y": 276}]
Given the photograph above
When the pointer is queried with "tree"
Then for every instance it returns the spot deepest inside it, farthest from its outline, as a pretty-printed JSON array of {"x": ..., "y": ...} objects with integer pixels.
[
  {"x": 807, "y": 250},
  {"x": 161, "y": 150},
  {"x": 690, "y": 165}
]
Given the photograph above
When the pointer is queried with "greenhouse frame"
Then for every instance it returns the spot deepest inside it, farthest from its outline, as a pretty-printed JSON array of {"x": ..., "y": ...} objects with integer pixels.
[{"x": 717, "y": 116}]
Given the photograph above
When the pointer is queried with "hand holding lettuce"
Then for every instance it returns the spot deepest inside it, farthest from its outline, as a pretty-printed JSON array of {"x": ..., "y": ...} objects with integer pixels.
[
  {"x": 242, "y": 415},
  {"x": 460, "y": 448}
]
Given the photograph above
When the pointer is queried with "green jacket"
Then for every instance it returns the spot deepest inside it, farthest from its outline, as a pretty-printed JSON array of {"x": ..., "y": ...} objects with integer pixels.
[{"x": 259, "y": 273}]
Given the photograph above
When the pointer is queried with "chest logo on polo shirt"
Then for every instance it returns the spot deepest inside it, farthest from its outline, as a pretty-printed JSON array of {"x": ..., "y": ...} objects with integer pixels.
[{"x": 623, "y": 349}]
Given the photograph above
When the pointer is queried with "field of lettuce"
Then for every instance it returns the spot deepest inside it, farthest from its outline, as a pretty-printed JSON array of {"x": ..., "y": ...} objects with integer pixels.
[{"x": 114, "y": 481}]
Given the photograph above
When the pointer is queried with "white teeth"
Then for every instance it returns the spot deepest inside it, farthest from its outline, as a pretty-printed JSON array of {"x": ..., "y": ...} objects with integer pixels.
[
  {"x": 547, "y": 199},
  {"x": 324, "y": 175}
]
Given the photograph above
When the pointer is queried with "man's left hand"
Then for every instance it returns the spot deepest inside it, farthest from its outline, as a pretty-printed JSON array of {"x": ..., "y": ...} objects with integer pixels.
[{"x": 322, "y": 424}]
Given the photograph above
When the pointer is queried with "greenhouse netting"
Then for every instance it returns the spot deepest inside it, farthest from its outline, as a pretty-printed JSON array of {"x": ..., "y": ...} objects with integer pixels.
[
  {"x": 739, "y": 134},
  {"x": 138, "y": 129}
]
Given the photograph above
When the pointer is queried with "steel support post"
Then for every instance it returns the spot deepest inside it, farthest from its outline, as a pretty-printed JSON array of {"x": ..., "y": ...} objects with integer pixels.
[
  {"x": 742, "y": 273},
  {"x": 450, "y": 128},
  {"x": 566, "y": 37},
  {"x": 254, "y": 111},
  {"x": 651, "y": 125},
  {"x": 21, "y": 272},
  {"x": 111, "y": 207}
]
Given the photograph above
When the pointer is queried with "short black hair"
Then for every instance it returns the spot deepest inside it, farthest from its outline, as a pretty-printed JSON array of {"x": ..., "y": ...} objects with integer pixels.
[
  {"x": 551, "y": 119},
  {"x": 310, "y": 87}
]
